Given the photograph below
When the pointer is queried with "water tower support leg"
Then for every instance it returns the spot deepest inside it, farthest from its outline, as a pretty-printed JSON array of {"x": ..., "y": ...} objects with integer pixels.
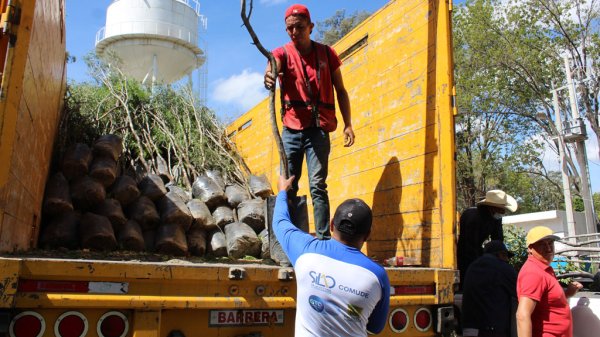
[{"x": 154, "y": 70}]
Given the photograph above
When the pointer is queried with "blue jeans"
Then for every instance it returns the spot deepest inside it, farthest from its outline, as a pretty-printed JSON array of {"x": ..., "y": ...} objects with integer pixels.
[{"x": 314, "y": 142}]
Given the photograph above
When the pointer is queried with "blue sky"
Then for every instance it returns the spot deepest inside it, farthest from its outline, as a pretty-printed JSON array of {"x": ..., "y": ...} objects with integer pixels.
[{"x": 235, "y": 66}]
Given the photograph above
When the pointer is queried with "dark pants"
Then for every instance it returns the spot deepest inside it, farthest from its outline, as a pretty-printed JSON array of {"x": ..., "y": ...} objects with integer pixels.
[
  {"x": 314, "y": 142},
  {"x": 488, "y": 333}
]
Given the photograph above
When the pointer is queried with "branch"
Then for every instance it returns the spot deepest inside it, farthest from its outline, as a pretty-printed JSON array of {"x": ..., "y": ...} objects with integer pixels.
[
  {"x": 543, "y": 175},
  {"x": 282, "y": 156},
  {"x": 123, "y": 101},
  {"x": 559, "y": 23}
]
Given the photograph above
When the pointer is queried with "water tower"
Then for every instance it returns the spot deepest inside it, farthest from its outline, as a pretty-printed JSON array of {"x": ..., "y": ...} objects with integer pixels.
[{"x": 156, "y": 40}]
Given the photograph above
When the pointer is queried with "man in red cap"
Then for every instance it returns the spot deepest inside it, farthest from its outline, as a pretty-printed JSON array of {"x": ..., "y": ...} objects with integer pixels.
[{"x": 308, "y": 74}]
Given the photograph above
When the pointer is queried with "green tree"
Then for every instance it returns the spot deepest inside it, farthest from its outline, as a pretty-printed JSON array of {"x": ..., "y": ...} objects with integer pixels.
[
  {"x": 578, "y": 204},
  {"x": 596, "y": 200},
  {"x": 509, "y": 57},
  {"x": 331, "y": 30},
  {"x": 495, "y": 142},
  {"x": 515, "y": 240},
  {"x": 535, "y": 192}
]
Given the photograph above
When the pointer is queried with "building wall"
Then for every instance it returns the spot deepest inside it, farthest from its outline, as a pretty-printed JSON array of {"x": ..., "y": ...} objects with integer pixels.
[
  {"x": 555, "y": 220},
  {"x": 30, "y": 113}
]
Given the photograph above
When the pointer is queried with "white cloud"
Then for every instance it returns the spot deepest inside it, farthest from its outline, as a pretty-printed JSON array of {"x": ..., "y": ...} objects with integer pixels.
[
  {"x": 549, "y": 156},
  {"x": 243, "y": 91},
  {"x": 551, "y": 160},
  {"x": 593, "y": 161},
  {"x": 592, "y": 146},
  {"x": 504, "y": 6}
]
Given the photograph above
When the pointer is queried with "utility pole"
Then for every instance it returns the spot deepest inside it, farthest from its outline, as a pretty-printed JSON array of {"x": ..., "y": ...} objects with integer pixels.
[
  {"x": 578, "y": 131},
  {"x": 563, "y": 167}
]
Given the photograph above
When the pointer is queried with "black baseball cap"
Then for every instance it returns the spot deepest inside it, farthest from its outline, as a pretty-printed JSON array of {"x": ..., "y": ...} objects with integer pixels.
[
  {"x": 353, "y": 217},
  {"x": 496, "y": 246}
]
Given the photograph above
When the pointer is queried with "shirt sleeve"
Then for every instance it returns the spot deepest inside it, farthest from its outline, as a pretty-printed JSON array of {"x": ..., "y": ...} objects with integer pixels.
[
  {"x": 378, "y": 317},
  {"x": 334, "y": 59},
  {"x": 278, "y": 55},
  {"x": 293, "y": 240},
  {"x": 531, "y": 286}
]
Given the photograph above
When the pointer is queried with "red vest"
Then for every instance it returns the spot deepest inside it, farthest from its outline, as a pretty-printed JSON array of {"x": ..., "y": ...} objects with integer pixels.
[{"x": 304, "y": 107}]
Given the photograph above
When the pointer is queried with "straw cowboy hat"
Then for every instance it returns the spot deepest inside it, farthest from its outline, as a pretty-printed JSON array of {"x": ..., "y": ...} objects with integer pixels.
[{"x": 499, "y": 198}]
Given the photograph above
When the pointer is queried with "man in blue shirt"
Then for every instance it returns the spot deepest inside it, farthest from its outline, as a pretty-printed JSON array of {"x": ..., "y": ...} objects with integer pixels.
[{"x": 341, "y": 292}]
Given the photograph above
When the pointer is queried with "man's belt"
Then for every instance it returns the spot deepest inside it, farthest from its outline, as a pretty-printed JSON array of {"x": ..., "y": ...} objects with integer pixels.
[{"x": 308, "y": 104}]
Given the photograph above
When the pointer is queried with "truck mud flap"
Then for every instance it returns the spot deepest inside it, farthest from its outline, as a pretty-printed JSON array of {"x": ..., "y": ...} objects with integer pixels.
[
  {"x": 444, "y": 321},
  {"x": 299, "y": 215},
  {"x": 5, "y": 318}
]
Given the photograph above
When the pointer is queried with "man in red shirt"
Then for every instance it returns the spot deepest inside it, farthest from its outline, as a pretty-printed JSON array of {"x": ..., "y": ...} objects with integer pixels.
[
  {"x": 308, "y": 73},
  {"x": 543, "y": 309}
]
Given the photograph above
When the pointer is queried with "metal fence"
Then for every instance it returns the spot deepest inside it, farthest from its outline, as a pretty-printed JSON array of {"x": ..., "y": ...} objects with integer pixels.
[{"x": 150, "y": 28}]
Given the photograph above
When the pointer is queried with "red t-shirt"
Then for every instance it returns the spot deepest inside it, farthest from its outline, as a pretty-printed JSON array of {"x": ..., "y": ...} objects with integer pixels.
[
  {"x": 552, "y": 315},
  {"x": 298, "y": 116}
]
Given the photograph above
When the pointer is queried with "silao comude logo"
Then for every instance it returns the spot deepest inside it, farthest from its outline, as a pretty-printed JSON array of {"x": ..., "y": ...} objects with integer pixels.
[{"x": 321, "y": 280}]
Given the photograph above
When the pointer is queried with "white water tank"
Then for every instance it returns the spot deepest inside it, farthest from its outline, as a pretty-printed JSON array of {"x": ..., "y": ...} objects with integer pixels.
[{"x": 155, "y": 40}]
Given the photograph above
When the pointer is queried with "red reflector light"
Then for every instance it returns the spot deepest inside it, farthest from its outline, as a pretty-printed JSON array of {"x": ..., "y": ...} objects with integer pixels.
[
  {"x": 71, "y": 324},
  {"x": 53, "y": 286},
  {"x": 27, "y": 324},
  {"x": 423, "y": 319},
  {"x": 398, "y": 320},
  {"x": 113, "y": 324},
  {"x": 414, "y": 290}
]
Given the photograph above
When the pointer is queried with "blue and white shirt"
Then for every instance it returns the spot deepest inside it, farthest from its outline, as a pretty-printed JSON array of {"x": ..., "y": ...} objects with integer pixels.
[{"x": 341, "y": 292}]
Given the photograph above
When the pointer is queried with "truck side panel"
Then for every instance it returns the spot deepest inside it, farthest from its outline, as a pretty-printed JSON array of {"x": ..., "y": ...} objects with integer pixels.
[
  {"x": 157, "y": 298},
  {"x": 30, "y": 109},
  {"x": 397, "y": 68}
]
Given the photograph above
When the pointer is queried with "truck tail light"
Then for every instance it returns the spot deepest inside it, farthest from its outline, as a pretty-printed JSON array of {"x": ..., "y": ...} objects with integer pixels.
[
  {"x": 398, "y": 320},
  {"x": 84, "y": 287},
  {"x": 423, "y": 319},
  {"x": 27, "y": 324},
  {"x": 53, "y": 286},
  {"x": 413, "y": 290},
  {"x": 71, "y": 324},
  {"x": 113, "y": 324}
]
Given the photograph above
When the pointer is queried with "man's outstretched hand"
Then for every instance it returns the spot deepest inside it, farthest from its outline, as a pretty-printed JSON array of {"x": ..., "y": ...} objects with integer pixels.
[{"x": 285, "y": 184}]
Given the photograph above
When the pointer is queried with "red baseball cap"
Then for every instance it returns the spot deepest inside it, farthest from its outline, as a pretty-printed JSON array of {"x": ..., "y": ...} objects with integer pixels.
[{"x": 297, "y": 9}]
